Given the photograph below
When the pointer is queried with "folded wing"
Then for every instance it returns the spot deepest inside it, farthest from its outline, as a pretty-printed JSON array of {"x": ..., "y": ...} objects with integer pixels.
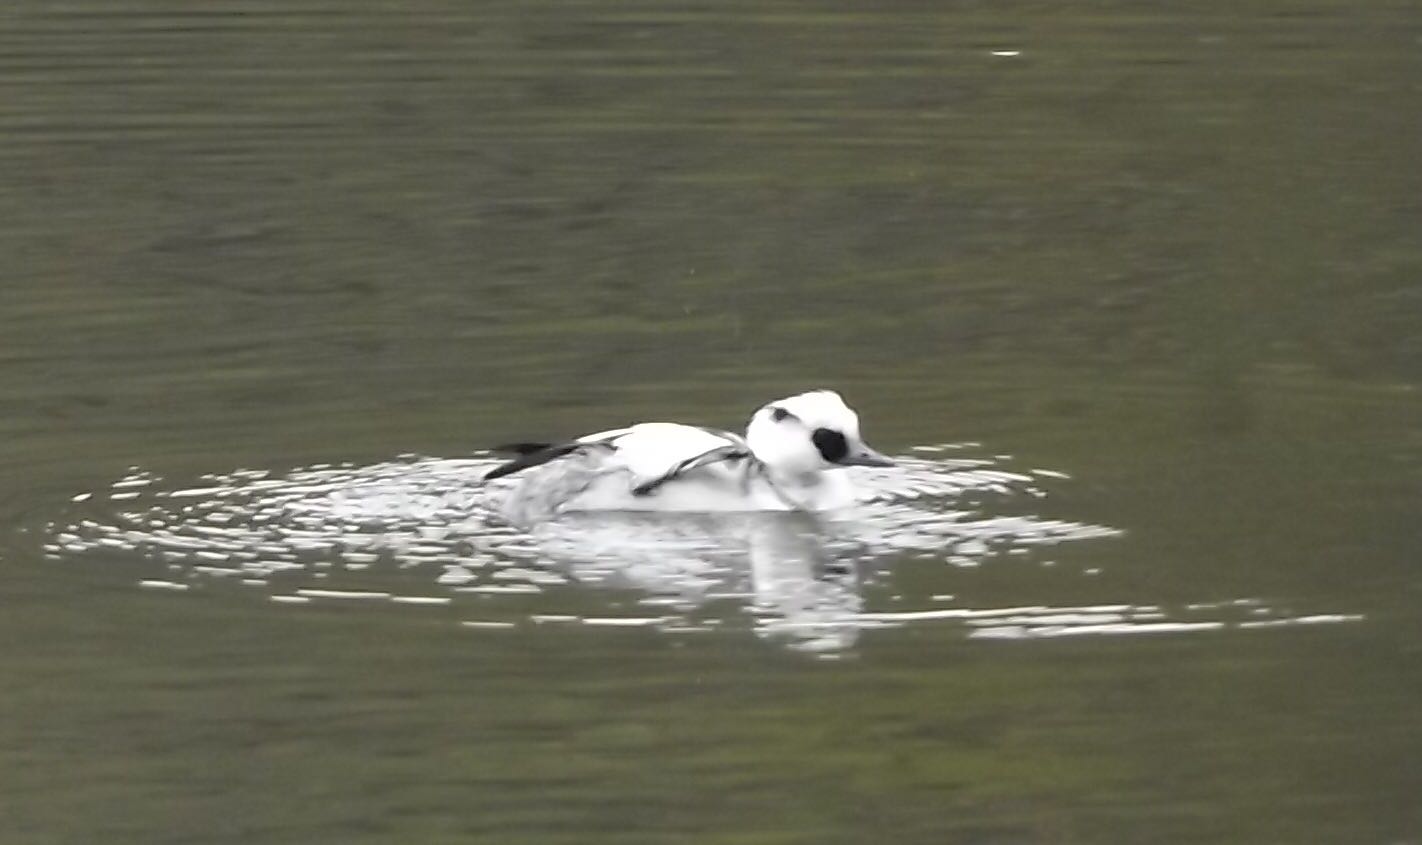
[{"x": 652, "y": 453}]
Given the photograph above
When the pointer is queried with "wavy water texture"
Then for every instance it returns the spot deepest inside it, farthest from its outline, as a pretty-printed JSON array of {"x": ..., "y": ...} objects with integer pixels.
[{"x": 427, "y": 531}]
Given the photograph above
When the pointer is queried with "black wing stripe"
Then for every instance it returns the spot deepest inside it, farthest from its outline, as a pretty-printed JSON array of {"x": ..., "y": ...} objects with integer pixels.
[{"x": 724, "y": 453}]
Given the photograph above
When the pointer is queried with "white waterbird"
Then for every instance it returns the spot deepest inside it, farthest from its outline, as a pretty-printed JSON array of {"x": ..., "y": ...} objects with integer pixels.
[{"x": 790, "y": 459}]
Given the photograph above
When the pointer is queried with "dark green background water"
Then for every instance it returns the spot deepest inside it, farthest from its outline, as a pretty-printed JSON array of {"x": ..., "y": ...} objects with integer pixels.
[{"x": 1174, "y": 251}]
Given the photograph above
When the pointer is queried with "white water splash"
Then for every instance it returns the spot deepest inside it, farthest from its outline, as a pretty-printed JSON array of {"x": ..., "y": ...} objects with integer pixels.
[{"x": 430, "y": 525}]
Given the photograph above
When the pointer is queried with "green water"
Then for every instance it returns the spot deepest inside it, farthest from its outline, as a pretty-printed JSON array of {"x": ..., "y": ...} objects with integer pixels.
[{"x": 1173, "y": 253}]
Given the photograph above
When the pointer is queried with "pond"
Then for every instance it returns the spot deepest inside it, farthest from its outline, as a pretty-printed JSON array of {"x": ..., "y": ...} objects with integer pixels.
[{"x": 1131, "y": 294}]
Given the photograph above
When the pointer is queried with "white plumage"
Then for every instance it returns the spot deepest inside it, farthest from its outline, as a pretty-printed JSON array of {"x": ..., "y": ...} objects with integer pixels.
[{"x": 789, "y": 460}]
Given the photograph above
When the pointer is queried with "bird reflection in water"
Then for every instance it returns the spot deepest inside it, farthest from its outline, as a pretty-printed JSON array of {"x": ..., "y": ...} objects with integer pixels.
[{"x": 784, "y": 566}]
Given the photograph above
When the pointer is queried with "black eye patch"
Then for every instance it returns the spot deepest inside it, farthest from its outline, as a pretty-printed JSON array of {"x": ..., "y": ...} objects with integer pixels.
[
  {"x": 780, "y": 414},
  {"x": 832, "y": 445}
]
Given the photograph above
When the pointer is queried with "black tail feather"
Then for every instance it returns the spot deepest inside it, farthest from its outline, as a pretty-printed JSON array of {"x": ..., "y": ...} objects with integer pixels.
[
  {"x": 522, "y": 448},
  {"x": 530, "y": 455}
]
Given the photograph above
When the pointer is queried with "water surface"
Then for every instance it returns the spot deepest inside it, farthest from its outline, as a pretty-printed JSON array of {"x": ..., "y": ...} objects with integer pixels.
[{"x": 1133, "y": 290}]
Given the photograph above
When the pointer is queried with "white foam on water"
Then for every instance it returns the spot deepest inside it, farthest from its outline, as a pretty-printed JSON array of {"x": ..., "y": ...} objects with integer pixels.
[{"x": 344, "y": 533}]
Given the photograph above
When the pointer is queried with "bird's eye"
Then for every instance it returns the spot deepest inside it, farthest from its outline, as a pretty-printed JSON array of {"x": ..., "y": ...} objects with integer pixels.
[
  {"x": 780, "y": 414},
  {"x": 832, "y": 445}
]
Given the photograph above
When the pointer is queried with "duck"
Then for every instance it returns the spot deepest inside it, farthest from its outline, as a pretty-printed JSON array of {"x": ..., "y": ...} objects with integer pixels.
[{"x": 791, "y": 458}]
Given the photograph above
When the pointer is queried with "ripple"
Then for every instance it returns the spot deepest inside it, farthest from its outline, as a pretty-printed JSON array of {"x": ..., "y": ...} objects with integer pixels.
[{"x": 426, "y": 532}]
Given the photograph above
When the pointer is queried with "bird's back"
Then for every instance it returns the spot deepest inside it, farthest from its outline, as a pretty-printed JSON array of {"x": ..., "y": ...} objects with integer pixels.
[{"x": 646, "y": 467}]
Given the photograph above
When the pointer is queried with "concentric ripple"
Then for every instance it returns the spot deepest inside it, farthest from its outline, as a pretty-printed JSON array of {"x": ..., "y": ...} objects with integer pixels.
[{"x": 427, "y": 532}]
